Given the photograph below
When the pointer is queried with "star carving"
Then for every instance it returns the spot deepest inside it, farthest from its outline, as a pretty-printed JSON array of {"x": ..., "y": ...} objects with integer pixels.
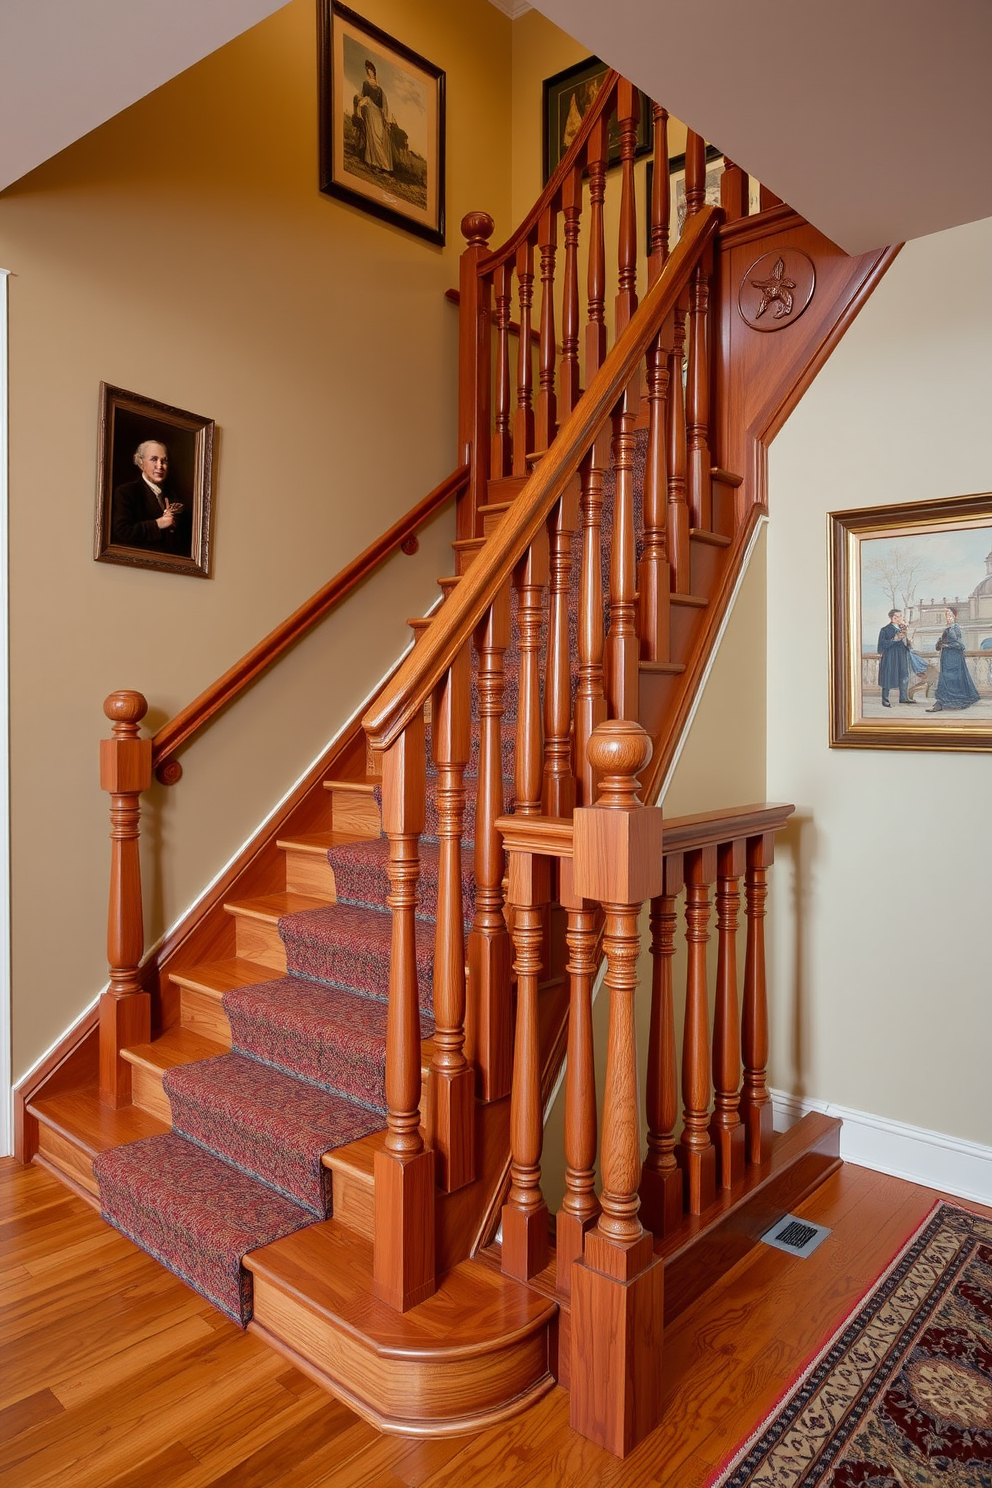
[{"x": 776, "y": 291}]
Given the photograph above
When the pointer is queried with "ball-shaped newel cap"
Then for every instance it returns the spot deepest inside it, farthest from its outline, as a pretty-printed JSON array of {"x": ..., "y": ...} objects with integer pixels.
[
  {"x": 618, "y": 751},
  {"x": 125, "y": 707},
  {"x": 477, "y": 227}
]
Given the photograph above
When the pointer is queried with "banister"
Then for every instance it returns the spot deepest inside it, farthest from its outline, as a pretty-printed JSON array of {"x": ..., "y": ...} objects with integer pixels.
[
  {"x": 192, "y": 718},
  {"x": 707, "y": 828},
  {"x": 410, "y": 688}
]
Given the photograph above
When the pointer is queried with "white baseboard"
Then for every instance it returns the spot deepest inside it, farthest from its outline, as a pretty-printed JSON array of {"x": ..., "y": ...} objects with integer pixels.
[{"x": 928, "y": 1157}]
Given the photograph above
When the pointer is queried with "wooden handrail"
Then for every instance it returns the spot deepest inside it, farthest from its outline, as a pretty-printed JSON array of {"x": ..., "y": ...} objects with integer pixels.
[
  {"x": 706, "y": 828},
  {"x": 176, "y": 732},
  {"x": 410, "y": 688}
]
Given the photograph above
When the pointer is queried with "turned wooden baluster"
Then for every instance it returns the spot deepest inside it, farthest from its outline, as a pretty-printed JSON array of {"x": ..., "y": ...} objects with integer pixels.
[
  {"x": 596, "y": 268},
  {"x": 661, "y": 195},
  {"x": 530, "y": 579},
  {"x": 726, "y": 1131},
  {"x": 523, "y": 420},
  {"x": 559, "y": 782},
  {"x": 546, "y": 418},
  {"x": 617, "y": 1287},
  {"x": 404, "y": 1261},
  {"x": 699, "y": 479},
  {"x": 502, "y": 454},
  {"x": 453, "y": 1079},
  {"x": 695, "y": 173},
  {"x": 525, "y": 1214},
  {"x": 125, "y": 1008},
  {"x": 661, "y": 1176},
  {"x": 756, "y": 1106},
  {"x": 568, "y": 375},
  {"x": 580, "y": 1206},
  {"x": 488, "y": 1026},
  {"x": 474, "y": 357},
  {"x": 734, "y": 191},
  {"x": 653, "y": 576},
  {"x": 590, "y": 699},
  {"x": 628, "y": 115},
  {"x": 623, "y": 646},
  {"x": 678, "y": 507},
  {"x": 695, "y": 1153}
]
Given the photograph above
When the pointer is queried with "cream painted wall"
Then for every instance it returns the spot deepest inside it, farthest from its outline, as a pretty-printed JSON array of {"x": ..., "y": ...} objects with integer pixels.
[
  {"x": 882, "y": 1002},
  {"x": 184, "y": 251}
]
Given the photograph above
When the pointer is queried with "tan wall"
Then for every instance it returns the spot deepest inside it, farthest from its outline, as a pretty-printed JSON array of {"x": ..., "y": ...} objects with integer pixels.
[{"x": 183, "y": 250}]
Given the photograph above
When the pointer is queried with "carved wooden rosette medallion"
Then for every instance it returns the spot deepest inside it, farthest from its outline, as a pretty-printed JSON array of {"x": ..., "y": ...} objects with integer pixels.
[{"x": 776, "y": 289}]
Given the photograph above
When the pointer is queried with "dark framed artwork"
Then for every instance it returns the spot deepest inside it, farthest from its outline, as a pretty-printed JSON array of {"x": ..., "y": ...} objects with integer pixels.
[
  {"x": 911, "y": 625},
  {"x": 676, "y": 178},
  {"x": 154, "y": 484},
  {"x": 568, "y": 97},
  {"x": 381, "y": 124}
]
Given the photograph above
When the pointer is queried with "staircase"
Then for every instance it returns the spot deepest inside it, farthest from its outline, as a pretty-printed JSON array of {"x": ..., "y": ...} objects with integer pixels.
[{"x": 323, "y": 1096}]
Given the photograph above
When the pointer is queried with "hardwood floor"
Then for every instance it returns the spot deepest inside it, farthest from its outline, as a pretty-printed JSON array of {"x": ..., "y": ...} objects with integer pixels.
[{"x": 115, "y": 1375}]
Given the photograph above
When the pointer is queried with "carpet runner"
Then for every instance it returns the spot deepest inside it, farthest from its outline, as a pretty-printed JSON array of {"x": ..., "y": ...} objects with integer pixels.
[
  {"x": 901, "y": 1397},
  {"x": 242, "y": 1165}
]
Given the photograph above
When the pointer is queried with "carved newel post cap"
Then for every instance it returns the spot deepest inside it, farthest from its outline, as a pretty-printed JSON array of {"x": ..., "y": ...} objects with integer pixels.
[
  {"x": 618, "y": 751},
  {"x": 477, "y": 227},
  {"x": 125, "y": 707}
]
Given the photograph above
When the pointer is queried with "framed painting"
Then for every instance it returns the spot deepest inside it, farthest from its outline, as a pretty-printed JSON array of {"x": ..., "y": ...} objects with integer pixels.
[
  {"x": 911, "y": 626},
  {"x": 381, "y": 124},
  {"x": 568, "y": 97},
  {"x": 154, "y": 484}
]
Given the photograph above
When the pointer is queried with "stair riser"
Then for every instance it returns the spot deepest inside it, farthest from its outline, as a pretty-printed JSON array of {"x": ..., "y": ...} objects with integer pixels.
[
  {"x": 68, "y": 1159},
  {"x": 724, "y": 509},
  {"x": 707, "y": 562},
  {"x": 355, "y": 811},
  {"x": 203, "y": 1014},
  {"x": 354, "y": 1202},
  {"x": 685, "y": 623},
  {"x": 309, "y": 873},
  {"x": 147, "y": 1093},
  {"x": 258, "y": 940}
]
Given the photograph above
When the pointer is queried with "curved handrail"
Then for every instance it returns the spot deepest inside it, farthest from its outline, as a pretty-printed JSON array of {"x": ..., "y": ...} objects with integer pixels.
[
  {"x": 186, "y": 723},
  {"x": 410, "y": 688}
]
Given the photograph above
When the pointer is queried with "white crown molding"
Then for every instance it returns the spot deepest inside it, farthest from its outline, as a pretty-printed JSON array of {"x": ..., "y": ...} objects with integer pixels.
[
  {"x": 512, "y": 8},
  {"x": 931, "y": 1158}
]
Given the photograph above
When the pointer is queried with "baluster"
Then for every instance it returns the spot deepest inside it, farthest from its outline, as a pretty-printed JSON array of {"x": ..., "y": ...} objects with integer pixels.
[
  {"x": 617, "y": 1287},
  {"x": 529, "y": 579},
  {"x": 622, "y": 645},
  {"x": 474, "y": 357},
  {"x": 125, "y": 1008},
  {"x": 695, "y": 1154},
  {"x": 502, "y": 454},
  {"x": 726, "y": 1131},
  {"x": 453, "y": 1083},
  {"x": 525, "y": 1214},
  {"x": 403, "y": 1265},
  {"x": 590, "y": 700},
  {"x": 559, "y": 782},
  {"x": 695, "y": 173},
  {"x": 596, "y": 269},
  {"x": 699, "y": 461},
  {"x": 580, "y": 1206},
  {"x": 488, "y": 1026},
  {"x": 523, "y": 422},
  {"x": 756, "y": 1106},
  {"x": 734, "y": 191},
  {"x": 661, "y": 195},
  {"x": 628, "y": 115},
  {"x": 568, "y": 377},
  {"x": 678, "y": 509},
  {"x": 546, "y": 421},
  {"x": 654, "y": 580},
  {"x": 661, "y": 1176}
]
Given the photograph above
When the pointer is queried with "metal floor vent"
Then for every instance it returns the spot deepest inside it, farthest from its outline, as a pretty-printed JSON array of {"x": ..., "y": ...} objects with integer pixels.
[{"x": 797, "y": 1237}]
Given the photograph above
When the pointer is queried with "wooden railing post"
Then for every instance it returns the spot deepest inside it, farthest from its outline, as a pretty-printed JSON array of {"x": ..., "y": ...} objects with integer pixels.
[
  {"x": 622, "y": 656},
  {"x": 618, "y": 1285},
  {"x": 559, "y": 782},
  {"x": 661, "y": 1176},
  {"x": 628, "y": 115},
  {"x": 756, "y": 1105},
  {"x": 530, "y": 581},
  {"x": 580, "y": 1207},
  {"x": 678, "y": 506},
  {"x": 726, "y": 1131},
  {"x": 523, "y": 418},
  {"x": 474, "y": 331},
  {"x": 699, "y": 478},
  {"x": 590, "y": 698},
  {"x": 501, "y": 462},
  {"x": 695, "y": 1153},
  {"x": 568, "y": 377},
  {"x": 404, "y": 1253},
  {"x": 654, "y": 578},
  {"x": 661, "y": 195},
  {"x": 596, "y": 269},
  {"x": 546, "y": 415},
  {"x": 125, "y": 1008}
]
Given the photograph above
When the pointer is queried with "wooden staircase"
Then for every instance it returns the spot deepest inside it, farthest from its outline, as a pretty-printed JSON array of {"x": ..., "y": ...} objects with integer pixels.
[{"x": 403, "y": 1303}]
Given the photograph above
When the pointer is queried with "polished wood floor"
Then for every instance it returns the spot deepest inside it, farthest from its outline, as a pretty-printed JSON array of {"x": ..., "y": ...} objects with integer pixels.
[{"x": 114, "y": 1375}]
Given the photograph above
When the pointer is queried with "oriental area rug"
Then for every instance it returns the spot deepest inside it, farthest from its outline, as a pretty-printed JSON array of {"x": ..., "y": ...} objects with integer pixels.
[{"x": 901, "y": 1396}]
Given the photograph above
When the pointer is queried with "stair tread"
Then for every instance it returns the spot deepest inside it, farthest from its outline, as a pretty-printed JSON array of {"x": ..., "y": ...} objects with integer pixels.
[
  {"x": 363, "y": 784},
  {"x": 175, "y": 1046},
  {"x": 318, "y": 843},
  {"x": 673, "y": 668},
  {"x": 218, "y": 977},
  {"x": 80, "y": 1117},
  {"x": 711, "y": 539},
  {"x": 272, "y": 907},
  {"x": 693, "y": 601},
  {"x": 358, "y": 1157}
]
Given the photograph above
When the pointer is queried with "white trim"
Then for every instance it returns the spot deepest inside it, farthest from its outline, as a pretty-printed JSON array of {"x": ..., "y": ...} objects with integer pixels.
[
  {"x": 6, "y": 1013},
  {"x": 512, "y": 8},
  {"x": 932, "y": 1158}
]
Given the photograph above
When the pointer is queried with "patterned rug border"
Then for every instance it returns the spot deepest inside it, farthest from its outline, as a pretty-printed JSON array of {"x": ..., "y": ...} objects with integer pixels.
[{"x": 807, "y": 1378}]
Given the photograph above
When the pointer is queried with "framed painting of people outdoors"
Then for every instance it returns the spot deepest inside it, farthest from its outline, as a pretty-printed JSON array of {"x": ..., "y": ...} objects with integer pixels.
[
  {"x": 381, "y": 124},
  {"x": 911, "y": 625}
]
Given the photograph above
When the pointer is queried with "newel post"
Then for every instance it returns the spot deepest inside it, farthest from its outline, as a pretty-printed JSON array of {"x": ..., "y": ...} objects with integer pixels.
[
  {"x": 618, "y": 1284},
  {"x": 125, "y": 1008},
  {"x": 474, "y": 331}
]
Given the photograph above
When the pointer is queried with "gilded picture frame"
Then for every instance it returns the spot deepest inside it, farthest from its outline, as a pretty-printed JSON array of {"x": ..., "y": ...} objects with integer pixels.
[
  {"x": 151, "y": 514},
  {"x": 911, "y": 625},
  {"x": 382, "y": 124}
]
